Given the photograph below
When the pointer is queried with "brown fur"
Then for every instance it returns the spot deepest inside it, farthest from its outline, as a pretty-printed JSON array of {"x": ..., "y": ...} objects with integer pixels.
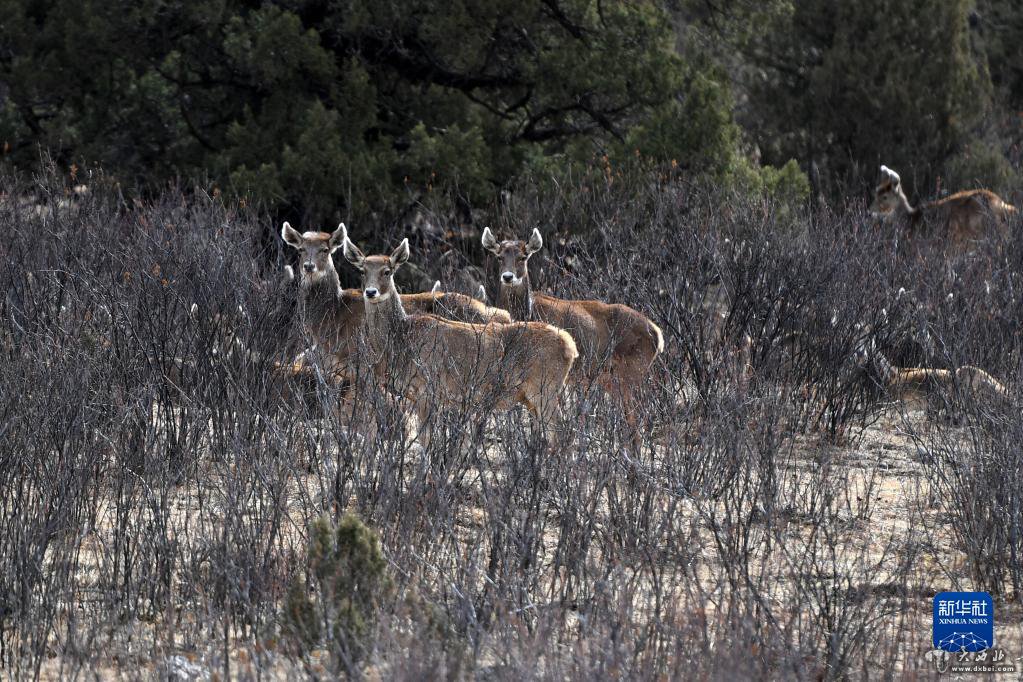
[
  {"x": 957, "y": 220},
  {"x": 453, "y": 306},
  {"x": 333, "y": 317},
  {"x": 336, "y": 326},
  {"x": 431, "y": 359},
  {"x": 964, "y": 217},
  {"x": 913, "y": 385},
  {"x": 617, "y": 344},
  {"x": 979, "y": 383}
]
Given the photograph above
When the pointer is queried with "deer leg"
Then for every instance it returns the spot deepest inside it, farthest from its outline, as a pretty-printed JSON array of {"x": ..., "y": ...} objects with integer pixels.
[
  {"x": 421, "y": 405},
  {"x": 548, "y": 411},
  {"x": 531, "y": 406},
  {"x": 534, "y": 402},
  {"x": 630, "y": 411},
  {"x": 621, "y": 389}
]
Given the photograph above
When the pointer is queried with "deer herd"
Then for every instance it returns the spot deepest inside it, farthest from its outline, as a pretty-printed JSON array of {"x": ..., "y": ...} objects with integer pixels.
[
  {"x": 957, "y": 223},
  {"x": 431, "y": 350},
  {"x": 439, "y": 347}
]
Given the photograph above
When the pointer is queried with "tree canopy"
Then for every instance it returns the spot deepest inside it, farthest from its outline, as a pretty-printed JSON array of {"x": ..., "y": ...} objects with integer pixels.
[
  {"x": 317, "y": 104},
  {"x": 324, "y": 108}
]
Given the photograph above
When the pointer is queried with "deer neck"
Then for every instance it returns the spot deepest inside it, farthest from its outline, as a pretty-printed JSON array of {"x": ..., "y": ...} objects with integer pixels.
[
  {"x": 386, "y": 321},
  {"x": 320, "y": 298},
  {"x": 905, "y": 211},
  {"x": 889, "y": 376},
  {"x": 518, "y": 301}
]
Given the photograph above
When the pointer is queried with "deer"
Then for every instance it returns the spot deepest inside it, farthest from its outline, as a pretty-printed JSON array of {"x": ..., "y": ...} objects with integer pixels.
[
  {"x": 617, "y": 344},
  {"x": 333, "y": 316},
  {"x": 960, "y": 219},
  {"x": 288, "y": 375},
  {"x": 434, "y": 359},
  {"x": 933, "y": 387}
]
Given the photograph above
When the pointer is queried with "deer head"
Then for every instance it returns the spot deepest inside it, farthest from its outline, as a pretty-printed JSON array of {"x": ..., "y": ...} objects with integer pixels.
[
  {"x": 377, "y": 271},
  {"x": 514, "y": 255},
  {"x": 315, "y": 248},
  {"x": 888, "y": 195}
]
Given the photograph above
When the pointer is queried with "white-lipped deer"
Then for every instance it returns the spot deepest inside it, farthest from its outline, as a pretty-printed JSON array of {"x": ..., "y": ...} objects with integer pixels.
[
  {"x": 934, "y": 388},
  {"x": 617, "y": 344},
  {"x": 959, "y": 219},
  {"x": 439, "y": 361},
  {"x": 333, "y": 316}
]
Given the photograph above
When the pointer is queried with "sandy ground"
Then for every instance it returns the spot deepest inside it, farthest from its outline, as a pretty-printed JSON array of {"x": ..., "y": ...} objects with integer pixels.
[{"x": 890, "y": 507}]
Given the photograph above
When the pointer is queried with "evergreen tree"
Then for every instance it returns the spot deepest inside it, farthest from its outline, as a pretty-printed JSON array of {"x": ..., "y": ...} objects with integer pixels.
[
  {"x": 848, "y": 86},
  {"x": 325, "y": 108}
]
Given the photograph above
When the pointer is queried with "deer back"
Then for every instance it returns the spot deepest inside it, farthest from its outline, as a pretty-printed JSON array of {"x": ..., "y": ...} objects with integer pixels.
[
  {"x": 979, "y": 383},
  {"x": 333, "y": 322},
  {"x": 453, "y": 306},
  {"x": 495, "y": 357},
  {"x": 967, "y": 216},
  {"x": 603, "y": 332}
]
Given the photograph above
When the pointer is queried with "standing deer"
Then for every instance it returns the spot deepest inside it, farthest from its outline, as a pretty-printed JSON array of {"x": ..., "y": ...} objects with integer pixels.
[
  {"x": 444, "y": 361},
  {"x": 334, "y": 316},
  {"x": 617, "y": 345},
  {"x": 960, "y": 219}
]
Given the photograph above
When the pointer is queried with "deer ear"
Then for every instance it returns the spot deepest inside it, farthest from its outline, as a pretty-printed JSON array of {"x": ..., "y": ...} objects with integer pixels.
[
  {"x": 401, "y": 253},
  {"x": 338, "y": 237},
  {"x": 489, "y": 241},
  {"x": 481, "y": 294},
  {"x": 352, "y": 253},
  {"x": 890, "y": 175},
  {"x": 535, "y": 242},
  {"x": 291, "y": 236}
]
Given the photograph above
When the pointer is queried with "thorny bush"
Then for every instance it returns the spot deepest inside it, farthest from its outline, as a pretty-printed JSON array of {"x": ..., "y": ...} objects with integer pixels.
[{"x": 159, "y": 474}]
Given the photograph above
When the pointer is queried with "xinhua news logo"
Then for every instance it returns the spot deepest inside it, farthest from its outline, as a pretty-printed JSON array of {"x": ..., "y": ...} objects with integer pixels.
[
  {"x": 964, "y": 621},
  {"x": 964, "y": 635}
]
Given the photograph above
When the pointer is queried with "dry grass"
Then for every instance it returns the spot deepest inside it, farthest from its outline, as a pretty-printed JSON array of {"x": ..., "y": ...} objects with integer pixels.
[{"x": 156, "y": 494}]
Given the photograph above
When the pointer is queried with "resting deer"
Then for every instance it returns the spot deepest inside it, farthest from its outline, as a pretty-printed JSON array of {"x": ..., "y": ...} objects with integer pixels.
[
  {"x": 934, "y": 387},
  {"x": 617, "y": 345},
  {"x": 334, "y": 316},
  {"x": 961, "y": 218},
  {"x": 431, "y": 358}
]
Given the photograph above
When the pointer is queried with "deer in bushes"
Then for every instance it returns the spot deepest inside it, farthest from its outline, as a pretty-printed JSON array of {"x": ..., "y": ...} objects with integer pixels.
[
  {"x": 933, "y": 387},
  {"x": 333, "y": 316},
  {"x": 290, "y": 379},
  {"x": 433, "y": 359},
  {"x": 959, "y": 219},
  {"x": 617, "y": 344}
]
